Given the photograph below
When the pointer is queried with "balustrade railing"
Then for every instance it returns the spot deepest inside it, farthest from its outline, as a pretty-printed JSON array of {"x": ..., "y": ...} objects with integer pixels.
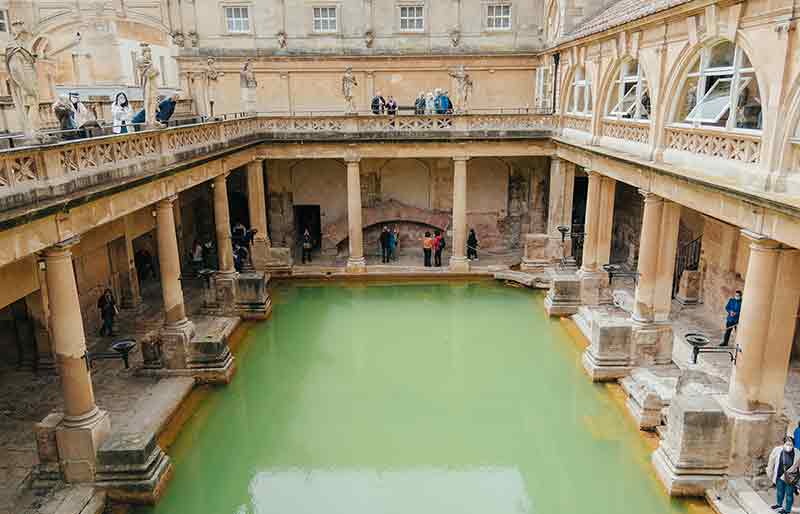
[
  {"x": 745, "y": 148},
  {"x": 629, "y": 130}
]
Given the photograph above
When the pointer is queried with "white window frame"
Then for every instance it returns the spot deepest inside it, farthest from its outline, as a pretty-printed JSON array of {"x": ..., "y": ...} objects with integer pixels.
[
  {"x": 636, "y": 111},
  {"x": 400, "y": 18},
  {"x": 4, "y": 23},
  {"x": 226, "y": 20},
  {"x": 581, "y": 79},
  {"x": 488, "y": 15},
  {"x": 319, "y": 9},
  {"x": 737, "y": 75},
  {"x": 543, "y": 91}
]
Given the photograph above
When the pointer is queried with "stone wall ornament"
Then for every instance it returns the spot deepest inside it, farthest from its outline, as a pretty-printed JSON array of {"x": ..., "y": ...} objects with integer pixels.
[
  {"x": 194, "y": 37},
  {"x": 178, "y": 38},
  {"x": 212, "y": 76},
  {"x": 248, "y": 84},
  {"x": 21, "y": 67},
  {"x": 369, "y": 38},
  {"x": 455, "y": 36},
  {"x": 463, "y": 88},
  {"x": 148, "y": 73},
  {"x": 348, "y": 82},
  {"x": 283, "y": 41}
]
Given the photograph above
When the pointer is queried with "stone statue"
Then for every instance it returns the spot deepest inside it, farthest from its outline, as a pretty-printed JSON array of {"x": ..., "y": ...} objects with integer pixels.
[
  {"x": 148, "y": 75},
  {"x": 369, "y": 38},
  {"x": 21, "y": 67},
  {"x": 463, "y": 88},
  {"x": 455, "y": 37},
  {"x": 248, "y": 84},
  {"x": 282, "y": 40},
  {"x": 348, "y": 82},
  {"x": 212, "y": 77}
]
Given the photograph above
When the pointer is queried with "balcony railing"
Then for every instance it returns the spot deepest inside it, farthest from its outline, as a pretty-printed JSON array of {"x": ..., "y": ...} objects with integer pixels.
[
  {"x": 35, "y": 173},
  {"x": 745, "y": 148}
]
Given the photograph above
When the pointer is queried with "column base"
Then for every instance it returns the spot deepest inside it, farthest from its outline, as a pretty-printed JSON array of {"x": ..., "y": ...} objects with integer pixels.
[
  {"x": 279, "y": 262},
  {"x": 356, "y": 265},
  {"x": 132, "y": 468},
  {"x": 652, "y": 343},
  {"x": 684, "y": 482},
  {"x": 753, "y": 436},
  {"x": 459, "y": 264},
  {"x": 689, "y": 288},
  {"x": 556, "y": 249},
  {"x": 594, "y": 287},
  {"x": 564, "y": 296},
  {"x": 608, "y": 356},
  {"x": 644, "y": 403},
  {"x": 78, "y": 441},
  {"x": 252, "y": 298},
  {"x": 173, "y": 350}
]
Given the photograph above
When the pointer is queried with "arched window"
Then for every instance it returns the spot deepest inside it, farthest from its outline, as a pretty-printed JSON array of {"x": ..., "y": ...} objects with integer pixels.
[
  {"x": 580, "y": 101},
  {"x": 553, "y": 20},
  {"x": 629, "y": 97},
  {"x": 721, "y": 90}
]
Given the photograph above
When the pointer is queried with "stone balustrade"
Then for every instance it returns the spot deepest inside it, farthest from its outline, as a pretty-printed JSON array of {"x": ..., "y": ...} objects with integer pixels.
[
  {"x": 629, "y": 130},
  {"x": 745, "y": 148},
  {"x": 32, "y": 174}
]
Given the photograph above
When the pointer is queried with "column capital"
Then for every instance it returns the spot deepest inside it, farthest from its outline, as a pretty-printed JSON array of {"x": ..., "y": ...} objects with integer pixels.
[
  {"x": 61, "y": 248},
  {"x": 220, "y": 178},
  {"x": 352, "y": 159},
  {"x": 460, "y": 158},
  {"x": 760, "y": 241},
  {"x": 650, "y": 197},
  {"x": 166, "y": 203}
]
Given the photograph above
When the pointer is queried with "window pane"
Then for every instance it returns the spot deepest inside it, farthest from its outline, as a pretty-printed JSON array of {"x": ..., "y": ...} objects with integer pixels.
[
  {"x": 588, "y": 98},
  {"x": 721, "y": 55},
  {"x": 579, "y": 99},
  {"x": 714, "y": 104},
  {"x": 748, "y": 105},
  {"x": 688, "y": 98}
]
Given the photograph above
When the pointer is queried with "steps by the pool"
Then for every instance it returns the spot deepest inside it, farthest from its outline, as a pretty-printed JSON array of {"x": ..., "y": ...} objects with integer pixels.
[{"x": 525, "y": 279}]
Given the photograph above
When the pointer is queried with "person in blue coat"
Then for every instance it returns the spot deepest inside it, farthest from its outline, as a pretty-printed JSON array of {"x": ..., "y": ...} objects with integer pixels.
[
  {"x": 732, "y": 308},
  {"x": 167, "y": 108}
]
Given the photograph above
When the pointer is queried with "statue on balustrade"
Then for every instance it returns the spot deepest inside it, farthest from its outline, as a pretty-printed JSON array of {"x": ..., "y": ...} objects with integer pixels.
[
  {"x": 248, "y": 84},
  {"x": 348, "y": 83},
  {"x": 148, "y": 75},
  {"x": 21, "y": 68},
  {"x": 212, "y": 79},
  {"x": 463, "y": 88}
]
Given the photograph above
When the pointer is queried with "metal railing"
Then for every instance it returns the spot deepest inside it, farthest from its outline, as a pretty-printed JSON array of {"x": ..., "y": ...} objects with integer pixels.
[{"x": 687, "y": 259}]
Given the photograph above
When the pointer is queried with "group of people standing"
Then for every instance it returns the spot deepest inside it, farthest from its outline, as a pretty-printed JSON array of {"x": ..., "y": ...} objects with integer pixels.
[
  {"x": 434, "y": 245},
  {"x": 433, "y": 102},
  {"x": 389, "y": 241}
]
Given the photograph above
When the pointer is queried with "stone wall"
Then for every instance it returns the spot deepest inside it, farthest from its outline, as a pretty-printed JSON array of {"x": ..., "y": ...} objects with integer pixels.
[{"x": 628, "y": 214}]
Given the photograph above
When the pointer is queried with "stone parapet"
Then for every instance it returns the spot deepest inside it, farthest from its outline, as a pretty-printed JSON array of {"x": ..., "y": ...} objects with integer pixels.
[
  {"x": 608, "y": 356},
  {"x": 563, "y": 298},
  {"x": 536, "y": 258},
  {"x": 132, "y": 468}
]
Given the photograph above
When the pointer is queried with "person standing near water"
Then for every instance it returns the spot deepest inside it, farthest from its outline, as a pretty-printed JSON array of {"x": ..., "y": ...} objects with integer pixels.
[
  {"x": 396, "y": 241},
  {"x": 307, "y": 244},
  {"x": 438, "y": 246},
  {"x": 386, "y": 244},
  {"x": 733, "y": 308},
  {"x": 782, "y": 465},
  {"x": 427, "y": 247},
  {"x": 472, "y": 245}
]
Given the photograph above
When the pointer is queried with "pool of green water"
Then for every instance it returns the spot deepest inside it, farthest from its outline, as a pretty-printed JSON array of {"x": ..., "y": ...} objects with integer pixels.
[{"x": 412, "y": 399}]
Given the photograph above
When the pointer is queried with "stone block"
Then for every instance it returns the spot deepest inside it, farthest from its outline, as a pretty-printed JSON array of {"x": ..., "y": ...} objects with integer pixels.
[
  {"x": 652, "y": 343},
  {"x": 132, "y": 468},
  {"x": 172, "y": 351},
  {"x": 753, "y": 436},
  {"x": 695, "y": 451},
  {"x": 252, "y": 297},
  {"x": 689, "y": 287},
  {"x": 45, "y": 433},
  {"x": 77, "y": 447},
  {"x": 563, "y": 298},
  {"x": 595, "y": 288},
  {"x": 556, "y": 249},
  {"x": 535, "y": 258},
  {"x": 608, "y": 356},
  {"x": 644, "y": 404}
]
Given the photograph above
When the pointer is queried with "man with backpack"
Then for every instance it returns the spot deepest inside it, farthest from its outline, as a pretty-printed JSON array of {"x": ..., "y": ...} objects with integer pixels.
[{"x": 438, "y": 248}]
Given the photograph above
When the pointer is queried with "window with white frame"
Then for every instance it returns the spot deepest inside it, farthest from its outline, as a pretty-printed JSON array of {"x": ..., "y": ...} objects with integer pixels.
[
  {"x": 721, "y": 90},
  {"x": 498, "y": 16},
  {"x": 580, "y": 101},
  {"x": 412, "y": 18},
  {"x": 3, "y": 20},
  {"x": 237, "y": 20},
  {"x": 543, "y": 94},
  {"x": 629, "y": 97},
  {"x": 325, "y": 19}
]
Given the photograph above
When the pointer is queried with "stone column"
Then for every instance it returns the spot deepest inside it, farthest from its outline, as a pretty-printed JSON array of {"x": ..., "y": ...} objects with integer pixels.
[
  {"x": 84, "y": 427},
  {"x": 766, "y": 326},
  {"x": 178, "y": 330},
  {"x": 597, "y": 238},
  {"x": 458, "y": 258},
  {"x": 356, "y": 262},
  {"x": 222, "y": 223},
  {"x": 39, "y": 311},
  {"x": 131, "y": 294},
  {"x": 256, "y": 202},
  {"x": 652, "y": 332},
  {"x": 562, "y": 183}
]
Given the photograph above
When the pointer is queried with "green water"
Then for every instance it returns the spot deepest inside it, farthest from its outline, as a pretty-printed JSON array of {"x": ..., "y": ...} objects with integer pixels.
[{"x": 412, "y": 399}]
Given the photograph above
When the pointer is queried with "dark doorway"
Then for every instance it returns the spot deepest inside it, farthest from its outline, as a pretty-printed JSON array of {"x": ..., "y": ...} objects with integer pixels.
[
  {"x": 17, "y": 339},
  {"x": 308, "y": 217},
  {"x": 580, "y": 192}
]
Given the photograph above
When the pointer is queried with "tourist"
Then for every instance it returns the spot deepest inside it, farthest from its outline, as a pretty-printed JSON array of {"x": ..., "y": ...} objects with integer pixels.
[
  {"x": 395, "y": 241},
  {"x": 378, "y": 104},
  {"x": 427, "y": 246},
  {"x": 419, "y": 104},
  {"x": 437, "y": 101},
  {"x": 143, "y": 262},
  {"x": 121, "y": 113},
  {"x": 391, "y": 106},
  {"x": 65, "y": 115},
  {"x": 472, "y": 245},
  {"x": 430, "y": 103},
  {"x": 438, "y": 246},
  {"x": 385, "y": 240},
  {"x": 240, "y": 257},
  {"x": 782, "y": 470},
  {"x": 166, "y": 108},
  {"x": 82, "y": 114},
  {"x": 208, "y": 254},
  {"x": 796, "y": 432},
  {"x": 239, "y": 232},
  {"x": 307, "y": 245},
  {"x": 445, "y": 104},
  {"x": 108, "y": 309},
  {"x": 732, "y": 308},
  {"x": 392, "y": 245},
  {"x": 197, "y": 256}
]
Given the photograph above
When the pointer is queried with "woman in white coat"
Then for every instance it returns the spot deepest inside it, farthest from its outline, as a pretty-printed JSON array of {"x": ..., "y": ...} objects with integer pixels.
[
  {"x": 121, "y": 113},
  {"x": 782, "y": 460}
]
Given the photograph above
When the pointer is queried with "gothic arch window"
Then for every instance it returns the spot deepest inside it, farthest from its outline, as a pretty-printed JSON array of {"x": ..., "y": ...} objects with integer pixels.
[
  {"x": 720, "y": 90},
  {"x": 552, "y": 22},
  {"x": 629, "y": 97},
  {"x": 580, "y": 98}
]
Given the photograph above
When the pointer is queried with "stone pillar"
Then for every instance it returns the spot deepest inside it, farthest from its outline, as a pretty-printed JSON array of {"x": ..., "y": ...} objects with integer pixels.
[
  {"x": 562, "y": 184},
  {"x": 355, "y": 262},
  {"x": 652, "y": 332},
  {"x": 84, "y": 427},
  {"x": 256, "y": 202},
  {"x": 458, "y": 258},
  {"x": 39, "y": 311},
  {"x": 597, "y": 239},
  {"x": 222, "y": 220},
  {"x": 131, "y": 294}
]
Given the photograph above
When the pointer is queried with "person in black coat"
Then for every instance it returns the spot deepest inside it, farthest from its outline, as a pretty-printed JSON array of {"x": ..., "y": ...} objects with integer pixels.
[{"x": 108, "y": 310}]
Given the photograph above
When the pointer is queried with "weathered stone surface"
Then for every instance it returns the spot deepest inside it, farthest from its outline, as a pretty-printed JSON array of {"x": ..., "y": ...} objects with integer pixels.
[
  {"x": 536, "y": 258},
  {"x": 252, "y": 297},
  {"x": 650, "y": 391},
  {"x": 45, "y": 432},
  {"x": 563, "y": 298},
  {"x": 689, "y": 287},
  {"x": 608, "y": 356},
  {"x": 133, "y": 468}
]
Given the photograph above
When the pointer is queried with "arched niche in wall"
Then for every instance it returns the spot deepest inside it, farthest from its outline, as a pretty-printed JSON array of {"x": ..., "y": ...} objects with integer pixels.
[
  {"x": 552, "y": 21},
  {"x": 407, "y": 181}
]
